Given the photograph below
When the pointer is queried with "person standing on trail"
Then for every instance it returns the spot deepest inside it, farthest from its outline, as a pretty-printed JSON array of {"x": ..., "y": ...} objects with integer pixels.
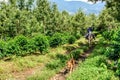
[{"x": 89, "y": 32}]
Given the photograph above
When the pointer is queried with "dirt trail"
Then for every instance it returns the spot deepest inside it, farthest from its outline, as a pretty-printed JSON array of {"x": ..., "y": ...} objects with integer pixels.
[{"x": 63, "y": 74}]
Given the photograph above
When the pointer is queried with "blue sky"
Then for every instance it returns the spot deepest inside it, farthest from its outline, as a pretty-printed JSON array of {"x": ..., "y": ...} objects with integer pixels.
[
  {"x": 77, "y": 0},
  {"x": 83, "y": 1}
]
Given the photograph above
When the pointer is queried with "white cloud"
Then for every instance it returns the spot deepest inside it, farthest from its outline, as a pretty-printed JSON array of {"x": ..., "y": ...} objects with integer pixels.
[
  {"x": 4, "y": 0},
  {"x": 80, "y": 0}
]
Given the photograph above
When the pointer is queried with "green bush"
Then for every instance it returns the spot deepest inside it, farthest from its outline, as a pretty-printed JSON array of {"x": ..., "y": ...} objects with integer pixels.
[
  {"x": 59, "y": 61},
  {"x": 77, "y": 36},
  {"x": 22, "y": 43},
  {"x": 2, "y": 49},
  {"x": 53, "y": 64},
  {"x": 114, "y": 46},
  {"x": 12, "y": 47},
  {"x": 71, "y": 39},
  {"x": 62, "y": 58},
  {"x": 110, "y": 53},
  {"x": 31, "y": 46},
  {"x": 109, "y": 34},
  {"x": 56, "y": 40},
  {"x": 41, "y": 43},
  {"x": 65, "y": 37},
  {"x": 85, "y": 48},
  {"x": 118, "y": 68},
  {"x": 113, "y": 51},
  {"x": 94, "y": 72},
  {"x": 76, "y": 53}
]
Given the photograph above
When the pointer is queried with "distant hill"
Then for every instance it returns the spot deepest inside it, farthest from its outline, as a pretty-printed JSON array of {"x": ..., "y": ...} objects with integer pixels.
[{"x": 73, "y": 6}]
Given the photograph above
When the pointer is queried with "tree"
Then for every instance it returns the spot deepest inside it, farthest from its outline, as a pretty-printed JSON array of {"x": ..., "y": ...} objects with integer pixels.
[
  {"x": 42, "y": 13},
  {"x": 21, "y": 4},
  {"x": 79, "y": 22}
]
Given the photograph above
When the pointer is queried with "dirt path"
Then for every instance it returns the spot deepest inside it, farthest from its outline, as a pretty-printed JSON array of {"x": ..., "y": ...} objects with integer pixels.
[{"x": 63, "y": 74}]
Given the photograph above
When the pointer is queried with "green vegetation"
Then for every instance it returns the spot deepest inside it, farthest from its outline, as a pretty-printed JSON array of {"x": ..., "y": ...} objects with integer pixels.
[
  {"x": 71, "y": 39},
  {"x": 94, "y": 67},
  {"x": 57, "y": 62},
  {"x": 35, "y": 33},
  {"x": 90, "y": 70}
]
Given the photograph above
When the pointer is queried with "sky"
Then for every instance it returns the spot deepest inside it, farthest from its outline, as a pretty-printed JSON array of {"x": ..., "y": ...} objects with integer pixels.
[
  {"x": 4, "y": 0},
  {"x": 80, "y": 0}
]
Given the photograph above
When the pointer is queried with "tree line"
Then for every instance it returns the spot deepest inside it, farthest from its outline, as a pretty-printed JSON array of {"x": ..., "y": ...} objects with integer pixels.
[{"x": 31, "y": 17}]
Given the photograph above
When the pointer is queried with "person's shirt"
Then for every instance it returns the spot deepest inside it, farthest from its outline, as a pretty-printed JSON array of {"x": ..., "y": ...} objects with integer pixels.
[{"x": 89, "y": 29}]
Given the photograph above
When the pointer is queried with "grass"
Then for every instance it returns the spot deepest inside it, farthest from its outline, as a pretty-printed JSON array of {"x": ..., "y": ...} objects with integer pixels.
[
  {"x": 48, "y": 71},
  {"x": 91, "y": 70},
  {"x": 55, "y": 58},
  {"x": 19, "y": 64},
  {"x": 58, "y": 61},
  {"x": 44, "y": 74},
  {"x": 53, "y": 62},
  {"x": 94, "y": 68}
]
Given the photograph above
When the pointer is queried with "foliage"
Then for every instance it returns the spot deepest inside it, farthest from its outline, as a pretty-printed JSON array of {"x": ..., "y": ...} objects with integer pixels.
[
  {"x": 113, "y": 50},
  {"x": 31, "y": 46},
  {"x": 59, "y": 61},
  {"x": 56, "y": 40},
  {"x": 77, "y": 36},
  {"x": 2, "y": 49},
  {"x": 41, "y": 43},
  {"x": 71, "y": 40},
  {"x": 22, "y": 44},
  {"x": 110, "y": 53},
  {"x": 90, "y": 68},
  {"x": 76, "y": 53},
  {"x": 12, "y": 47},
  {"x": 118, "y": 69},
  {"x": 108, "y": 35}
]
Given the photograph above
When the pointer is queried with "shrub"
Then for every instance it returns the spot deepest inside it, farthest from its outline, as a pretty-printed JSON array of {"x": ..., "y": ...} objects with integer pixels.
[
  {"x": 31, "y": 46},
  {"x": 94, "y": 72},
  {"x": 54, "y": 64},
  {"x": 41, "y": 43},
  {"x": 77, "y": 36},
  {"x": 110, "y": 53},
  {"x": 71, "y": 39},
  {"x": 58, "y": 62},
  {"x": 108, "y": 34},
  {"x": 85, "y": 48},
  {"x": 62, "y": 58},
  {"x": 118, "y": 68},
  {"x": 76, "y": 53},
  {"x": 2, "y": 49},
  {"x": 56, "y": 40},
  {"x": 12, "y": 47},
  {"x": 22, "y": 43},
  {"x": 65, "y": 37},
  {"x": 113, "y": 51}
]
